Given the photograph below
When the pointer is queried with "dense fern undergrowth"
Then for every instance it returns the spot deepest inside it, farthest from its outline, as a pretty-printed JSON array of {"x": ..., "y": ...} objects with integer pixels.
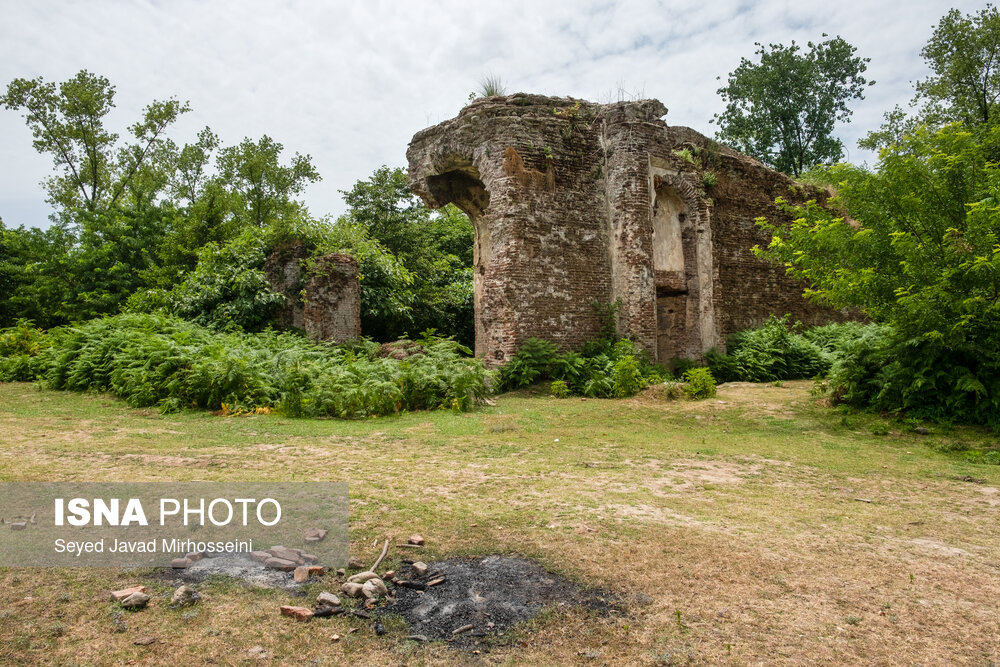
[
  {"x": 868, "y": 366},
  {"x": 155, "y": 360},
  {"x": 158, "y": 360}
]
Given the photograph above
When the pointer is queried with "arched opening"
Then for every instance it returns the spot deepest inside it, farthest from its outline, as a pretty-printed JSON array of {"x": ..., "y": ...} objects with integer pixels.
[
  {"x": 463, "y": 187},
  {"x": 673, "y": 267},
  {"x": 668, "y": 216}
]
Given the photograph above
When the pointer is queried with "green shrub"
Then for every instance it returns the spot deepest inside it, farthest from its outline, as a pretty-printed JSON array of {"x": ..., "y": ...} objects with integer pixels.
[
  {"x": 160, "y": 360},
  {"x": 685, "y": 154},
  {"x": 531, "y": 363},
  {"x": 699, "y": 383},
  {"x": 854, "y": 377},
  {"x": 878, "y": 366},
  {"x": 626, "y": 380},
  {"x": 22, "y": 352},
  {"x": 602, "y": 369},
  {"x": 774, "y": 351},
  {"x": 571, "y": 368},
  {"x": 559, "y": 389},
  {"x": 228, "y": 287}
]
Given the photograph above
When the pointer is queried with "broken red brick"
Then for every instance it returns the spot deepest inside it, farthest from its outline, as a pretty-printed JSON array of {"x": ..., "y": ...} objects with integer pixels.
[{"x": 298, "y": 613}]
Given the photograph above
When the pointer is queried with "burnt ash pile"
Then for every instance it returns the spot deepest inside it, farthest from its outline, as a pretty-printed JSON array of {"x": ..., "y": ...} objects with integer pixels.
[
  {"x": 236, "y": 565},
  {"x": 483, "y": 597}
]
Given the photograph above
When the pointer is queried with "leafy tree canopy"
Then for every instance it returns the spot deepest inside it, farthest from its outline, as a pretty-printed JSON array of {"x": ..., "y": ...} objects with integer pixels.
[
  {"x": 67, "y": 121},
  {"x": 153, "y": 225},
  {"x": 435, "y": 248},
  {"x": 135, "y": 215},
  {"x": 914, "y": 244},
  {"x": 263, "y": 185},
  {"x": 964, "y": 56},
  {"x": 784, "y": 108}
]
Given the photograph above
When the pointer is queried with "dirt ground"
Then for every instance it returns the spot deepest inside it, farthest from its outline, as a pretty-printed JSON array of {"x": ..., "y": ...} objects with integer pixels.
[{"x": 758, "y": 527}]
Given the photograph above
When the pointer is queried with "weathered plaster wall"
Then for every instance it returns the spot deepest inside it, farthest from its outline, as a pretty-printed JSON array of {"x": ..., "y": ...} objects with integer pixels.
[{"x": 576, "y": 203}]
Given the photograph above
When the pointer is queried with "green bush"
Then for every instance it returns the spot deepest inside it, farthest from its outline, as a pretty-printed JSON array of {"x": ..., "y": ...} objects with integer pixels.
[
  {"x": 911, "y": 243},
  {"x": 22, "y": 349},
  {"x": 227, "y": 288},
  {"x": 882, "y": 368},
  {"x": 559, "y": 389},
  {"x": 530, "y": 363},
  {"x": 603, "y": 369},
  {"x": 626, "y": 380},
  {"x": 160, "y": 360},
  {"x": 699, "y": 383},
  {"x": 774, "y": 351}
]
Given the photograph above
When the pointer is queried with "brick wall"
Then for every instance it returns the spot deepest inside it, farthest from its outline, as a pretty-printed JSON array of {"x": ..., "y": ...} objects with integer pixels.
[{"x": 563, "y": 193}]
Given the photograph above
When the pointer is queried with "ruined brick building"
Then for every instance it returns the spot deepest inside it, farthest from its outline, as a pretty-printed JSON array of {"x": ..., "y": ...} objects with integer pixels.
[
  {"x": 576, "y": 204},
  {"x": 324, "y": 302}
]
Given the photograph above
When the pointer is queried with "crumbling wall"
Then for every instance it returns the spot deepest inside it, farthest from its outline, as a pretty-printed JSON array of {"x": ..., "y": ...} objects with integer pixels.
[
  {"x": 576, "y": 204},
  {"x": 325, "y": 303},
  {"x": 283, "y": 269},
  {"x": 525, "y": 179},
  {"x": 333, "y": 299}
]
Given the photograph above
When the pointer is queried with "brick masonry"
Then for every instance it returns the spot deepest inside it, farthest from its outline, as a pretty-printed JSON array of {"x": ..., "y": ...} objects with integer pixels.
[
  {"x": 576, "y": 204},
  {"x": 325, "y": 302}
]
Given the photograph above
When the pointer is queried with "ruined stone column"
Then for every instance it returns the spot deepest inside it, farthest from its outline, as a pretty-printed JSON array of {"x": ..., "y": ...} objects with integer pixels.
[{"x": 333, "y": 299}]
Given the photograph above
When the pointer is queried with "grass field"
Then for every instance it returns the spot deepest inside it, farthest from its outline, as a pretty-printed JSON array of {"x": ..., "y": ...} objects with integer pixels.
[{"x": 755, "y": 528}]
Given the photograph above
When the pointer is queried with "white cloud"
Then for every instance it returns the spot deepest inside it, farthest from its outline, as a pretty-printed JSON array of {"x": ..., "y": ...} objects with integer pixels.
[{"x": 350, "y": 83}]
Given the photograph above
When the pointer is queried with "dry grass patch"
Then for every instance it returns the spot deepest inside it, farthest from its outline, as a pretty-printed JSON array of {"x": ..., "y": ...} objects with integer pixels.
[{"x": 756, "y": 528}]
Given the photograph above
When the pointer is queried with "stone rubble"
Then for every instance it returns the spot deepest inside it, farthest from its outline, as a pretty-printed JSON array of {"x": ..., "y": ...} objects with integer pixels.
[
  {"x": 135, "y": 601},
  {"x": 118, "y": 596},
  {"x": 328, "y": 599},
  {"x": 315, "y": 535},
  {"x": 298, "y": 613},
  {"x": 184, "y": 596}
]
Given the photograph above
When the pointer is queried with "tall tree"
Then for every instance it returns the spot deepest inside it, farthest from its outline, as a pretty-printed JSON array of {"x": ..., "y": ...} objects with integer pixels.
[
  {"x": 434, "y": 248},
  {"x": 385, "y": 205},
  {"x": 266, "y": 187},
  {"x": 93, "y": 170},
  {"x": 923, "y": 256},
  {"x": 964, "y": 56},
  {"x": 783, "y": 109}
]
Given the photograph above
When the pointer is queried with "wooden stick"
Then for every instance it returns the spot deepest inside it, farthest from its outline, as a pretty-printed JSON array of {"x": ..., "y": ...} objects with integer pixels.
[
  {"x": 415, "y": 585},
  {"x": 464, "y": 628},
  {"x": 385, "y": 550}
]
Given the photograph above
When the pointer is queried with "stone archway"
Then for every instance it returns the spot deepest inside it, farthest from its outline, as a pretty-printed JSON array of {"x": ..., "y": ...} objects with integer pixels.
[
  {"x": 463, "y": 187},
  {"x": 673, "y": 318},
  {"x": 681, "y": 269}
]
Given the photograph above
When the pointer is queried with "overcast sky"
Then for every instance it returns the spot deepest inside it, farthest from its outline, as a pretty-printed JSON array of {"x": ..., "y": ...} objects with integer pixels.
[{"x": 350, "y": 83}]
